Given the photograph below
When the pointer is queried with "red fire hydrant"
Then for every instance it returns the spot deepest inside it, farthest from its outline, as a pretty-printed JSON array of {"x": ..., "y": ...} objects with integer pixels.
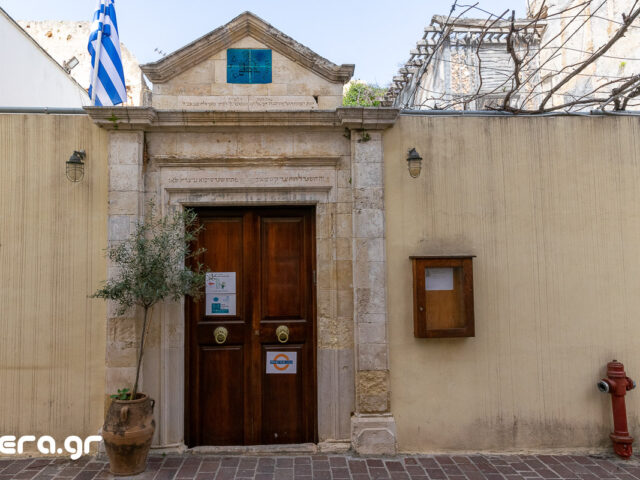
[{"x": 617, "y": 383}]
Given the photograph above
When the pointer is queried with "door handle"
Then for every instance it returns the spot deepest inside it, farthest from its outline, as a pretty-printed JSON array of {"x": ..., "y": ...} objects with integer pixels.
[
  {"x": 282, "y": 334},
  {"x": 220, "y": 335}
]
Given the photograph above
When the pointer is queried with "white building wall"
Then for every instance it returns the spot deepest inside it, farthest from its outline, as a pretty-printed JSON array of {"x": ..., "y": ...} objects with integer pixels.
[
  {"x": 30, "y": 77},
  {"x": 622, "y": 60}
]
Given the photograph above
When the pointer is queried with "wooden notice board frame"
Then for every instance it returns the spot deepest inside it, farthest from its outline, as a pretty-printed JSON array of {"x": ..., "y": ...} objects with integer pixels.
[{"x": 444, "y": 308}]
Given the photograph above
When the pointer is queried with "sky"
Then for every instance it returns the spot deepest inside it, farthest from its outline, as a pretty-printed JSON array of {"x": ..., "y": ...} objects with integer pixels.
[{"x": 376, "y": 35}]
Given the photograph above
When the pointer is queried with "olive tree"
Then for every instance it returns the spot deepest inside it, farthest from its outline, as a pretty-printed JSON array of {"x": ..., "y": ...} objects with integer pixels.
[{"x": 155, "y": 263}]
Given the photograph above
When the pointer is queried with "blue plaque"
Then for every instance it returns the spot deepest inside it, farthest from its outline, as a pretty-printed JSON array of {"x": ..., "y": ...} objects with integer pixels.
[{"x": 248, "y": 65}]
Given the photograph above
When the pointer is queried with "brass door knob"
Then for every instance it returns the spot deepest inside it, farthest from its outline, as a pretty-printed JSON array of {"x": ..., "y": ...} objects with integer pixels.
[
  {"x": 220, "y": 335},
  {"x": 282, "y": 334}
]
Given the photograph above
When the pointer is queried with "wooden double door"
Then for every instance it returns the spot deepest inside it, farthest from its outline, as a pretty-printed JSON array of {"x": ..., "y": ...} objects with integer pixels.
[{"x": 250, "y": 353}]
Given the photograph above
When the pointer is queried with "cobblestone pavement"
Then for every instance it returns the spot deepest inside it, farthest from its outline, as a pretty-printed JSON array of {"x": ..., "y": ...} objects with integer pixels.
[{"x": 329, "y": 467}]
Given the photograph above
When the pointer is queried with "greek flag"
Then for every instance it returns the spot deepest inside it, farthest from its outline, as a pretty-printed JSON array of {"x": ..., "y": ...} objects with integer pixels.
[{"x": 107, "y": 80}]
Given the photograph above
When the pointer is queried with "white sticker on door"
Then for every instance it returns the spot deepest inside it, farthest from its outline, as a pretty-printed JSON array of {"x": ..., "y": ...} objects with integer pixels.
[
  {"x": 220, "y": 282},
  {"x": 217, "y": 304},
  {"x": 282, "y": 362}
]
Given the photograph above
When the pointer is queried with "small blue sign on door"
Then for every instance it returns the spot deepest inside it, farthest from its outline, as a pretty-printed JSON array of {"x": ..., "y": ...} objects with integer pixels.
[
  {"x": 221, "y": 304},
  {"x": 218, "y": 307}
]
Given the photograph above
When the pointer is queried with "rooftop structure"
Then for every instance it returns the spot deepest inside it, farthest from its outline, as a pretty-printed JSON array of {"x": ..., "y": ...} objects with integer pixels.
[{"x": 462, "y": 63}]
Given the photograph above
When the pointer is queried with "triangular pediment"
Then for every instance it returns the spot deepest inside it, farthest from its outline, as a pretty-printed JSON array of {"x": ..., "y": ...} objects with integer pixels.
[{"x": 244, "y": 25}]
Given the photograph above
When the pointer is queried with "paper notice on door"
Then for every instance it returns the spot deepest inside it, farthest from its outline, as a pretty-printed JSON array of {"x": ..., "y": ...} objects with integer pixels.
[
  {"x": 220, "y": 282},
  {"x": 218, "y": 304},
  {"x": 282, "y": 362},
  {"x": 438, "y": 279}
]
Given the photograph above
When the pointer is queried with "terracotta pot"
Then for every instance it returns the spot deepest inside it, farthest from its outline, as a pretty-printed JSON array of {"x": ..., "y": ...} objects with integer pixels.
[{"x": 127, "y": 433}]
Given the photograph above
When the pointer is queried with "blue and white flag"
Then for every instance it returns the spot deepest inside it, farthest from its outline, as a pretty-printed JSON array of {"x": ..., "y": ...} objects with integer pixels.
[{"x": 108, "y": 80}]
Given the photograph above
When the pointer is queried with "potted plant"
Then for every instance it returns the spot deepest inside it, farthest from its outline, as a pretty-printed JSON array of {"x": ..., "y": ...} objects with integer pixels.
[{"x": 152, "y": 265}]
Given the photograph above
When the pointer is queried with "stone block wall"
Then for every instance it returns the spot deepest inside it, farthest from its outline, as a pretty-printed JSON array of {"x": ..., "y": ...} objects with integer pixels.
[
  {"x": 373, "y": 427},
  {"x": 124, "y": 210},
  {"x": 180, "y": 166}
]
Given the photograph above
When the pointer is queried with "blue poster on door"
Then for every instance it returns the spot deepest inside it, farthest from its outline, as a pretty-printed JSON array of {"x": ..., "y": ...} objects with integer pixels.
[{"x": 218, "y": 304}]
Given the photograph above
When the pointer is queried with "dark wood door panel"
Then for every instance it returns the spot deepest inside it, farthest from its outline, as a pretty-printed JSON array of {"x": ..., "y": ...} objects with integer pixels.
[
  {"x": 283, "y": 286},
  {"x": 298, "y": 330},
  {"x": 221, "y": 396},
  {"x": 282, "y": 399},
  {"x": 223, "y": 238}
]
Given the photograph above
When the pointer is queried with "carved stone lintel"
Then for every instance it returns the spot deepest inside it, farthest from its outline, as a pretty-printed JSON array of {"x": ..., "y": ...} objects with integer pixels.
[
  {"x": 368, "y": 118},
  {"x": 199, "y": 161},
  {"x": 111, "y": 118},
  {"x": 150, "y": 119}
]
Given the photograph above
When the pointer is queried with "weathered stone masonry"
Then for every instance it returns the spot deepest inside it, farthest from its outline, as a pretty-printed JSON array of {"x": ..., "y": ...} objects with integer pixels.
[
  {"x": 209, "y": 142},
  {"x": 373, "y": 427},
  {"x": 178, "y": 159}
]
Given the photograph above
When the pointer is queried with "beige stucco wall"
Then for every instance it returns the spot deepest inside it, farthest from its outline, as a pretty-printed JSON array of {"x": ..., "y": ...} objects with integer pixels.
[
  {"x": 204, "y": 86},
  {"x": 52, "y": 240},
  {"x": 550, "y": 208}
]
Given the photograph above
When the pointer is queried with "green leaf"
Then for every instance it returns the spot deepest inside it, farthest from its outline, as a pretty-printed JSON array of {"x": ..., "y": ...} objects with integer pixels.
[
  {"x": 153, "y": 263},
  {"x": 360, "y": 94}
]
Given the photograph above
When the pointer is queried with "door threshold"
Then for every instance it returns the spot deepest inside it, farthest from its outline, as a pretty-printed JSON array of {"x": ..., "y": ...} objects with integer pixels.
[{"x": 297, "y": 448}]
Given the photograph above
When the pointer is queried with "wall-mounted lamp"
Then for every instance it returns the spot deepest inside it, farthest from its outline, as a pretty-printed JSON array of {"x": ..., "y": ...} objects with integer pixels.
[
  {"x": 75, "y": 166},
  {"x": 70, "y": 64},
  {"x": 414, "y": 162}
]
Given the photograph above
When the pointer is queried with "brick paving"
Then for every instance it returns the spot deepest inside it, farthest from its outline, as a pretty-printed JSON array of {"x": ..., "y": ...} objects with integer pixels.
[{"x": 339, "y": 467}]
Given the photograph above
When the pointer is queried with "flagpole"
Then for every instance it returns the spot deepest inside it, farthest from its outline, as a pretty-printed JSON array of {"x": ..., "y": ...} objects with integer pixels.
[{"x": 96, "y": 61}]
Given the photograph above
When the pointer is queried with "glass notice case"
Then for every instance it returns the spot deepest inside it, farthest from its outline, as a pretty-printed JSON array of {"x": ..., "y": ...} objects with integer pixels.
[{"x": 443, "y": 297}]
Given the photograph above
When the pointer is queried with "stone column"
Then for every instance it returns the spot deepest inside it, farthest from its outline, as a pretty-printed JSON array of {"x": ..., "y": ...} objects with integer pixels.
[
  {"x": 373, "y": 429},
  {"x": 125, "y": 208}
]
